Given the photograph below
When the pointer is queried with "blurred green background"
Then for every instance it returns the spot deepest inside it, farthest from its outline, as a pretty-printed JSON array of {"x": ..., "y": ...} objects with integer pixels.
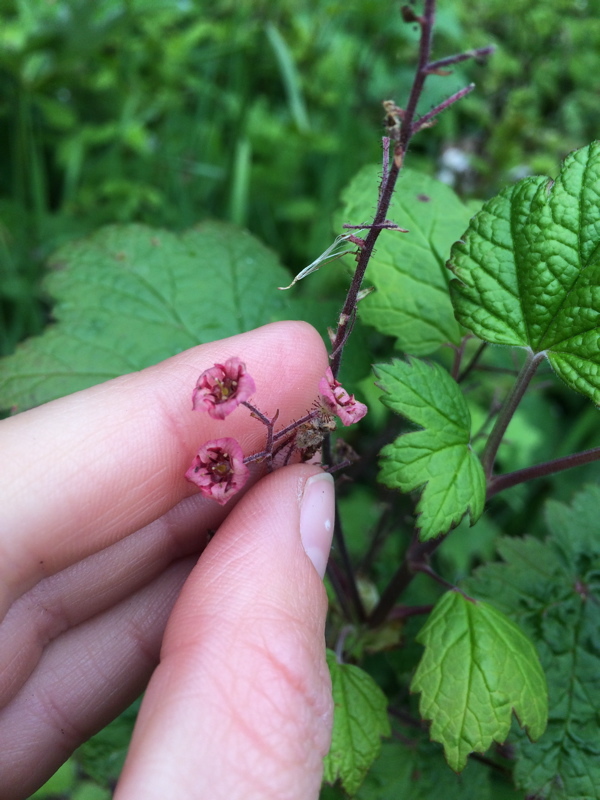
[{"x": 171, "y": 111}]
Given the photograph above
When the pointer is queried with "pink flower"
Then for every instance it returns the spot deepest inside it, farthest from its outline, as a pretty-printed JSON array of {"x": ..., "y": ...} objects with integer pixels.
[
  {"x": 218, "y": 469},
  {"x": 338, "y": 401},
  {"x": 222, "y": 388}
]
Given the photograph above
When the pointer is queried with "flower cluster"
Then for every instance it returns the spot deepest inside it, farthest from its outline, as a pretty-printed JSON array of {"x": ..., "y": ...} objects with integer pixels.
[{"x": 219, "y": 469}]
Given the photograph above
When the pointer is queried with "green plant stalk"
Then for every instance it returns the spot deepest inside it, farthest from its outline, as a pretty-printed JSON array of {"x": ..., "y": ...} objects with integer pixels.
[{"x": 509, "y": 407}]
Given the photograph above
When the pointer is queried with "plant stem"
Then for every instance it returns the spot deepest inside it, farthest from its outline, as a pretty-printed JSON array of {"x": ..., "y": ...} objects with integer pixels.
[
  {"x": 450, "y": 60},
  {"x": 416, "y": 556},
  {"x": 387, "y": 187},
  {"x": 336, "y": 578},
  {"x": 408, "y": 128},
  {"x": 347, "y": 594},
  {"x": 340, "y": 544},
  {"x": 471, "y": 365},
  {"x": 509, "y": 407},
  {"x": 458, "y": 356},
  {"x": 401, "y": 131},
  {"x": 501, "y": 482},
  {"x": 426, "y": 118}
]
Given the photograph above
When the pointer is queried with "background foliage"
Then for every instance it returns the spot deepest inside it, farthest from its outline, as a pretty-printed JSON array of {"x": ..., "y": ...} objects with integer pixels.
[{"x": 259, "y": 113}]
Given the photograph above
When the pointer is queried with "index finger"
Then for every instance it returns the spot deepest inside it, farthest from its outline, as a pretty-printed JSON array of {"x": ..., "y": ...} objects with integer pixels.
[{"x": 83, "y": 471}]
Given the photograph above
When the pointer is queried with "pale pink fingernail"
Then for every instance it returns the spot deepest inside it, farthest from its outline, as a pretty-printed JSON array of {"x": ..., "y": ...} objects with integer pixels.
[{"x": 317, "y": 515}]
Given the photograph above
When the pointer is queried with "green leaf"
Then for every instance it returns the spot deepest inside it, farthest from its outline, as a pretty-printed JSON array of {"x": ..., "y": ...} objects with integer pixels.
[
  {"x": 412, "y": 301},
  {"x": 552, "y": 589},
  {"x": 477, "y": 668},
  {"x": 528, "y": 270},
  {"x": 360, "y": 720},
  {"x": 102, "y": 757},
  {"x": 129, "y": 296},
  {"x": 60, "y": 783},
  {"x": 419, "y": 772},
  {"x": 439, "y": 458}
]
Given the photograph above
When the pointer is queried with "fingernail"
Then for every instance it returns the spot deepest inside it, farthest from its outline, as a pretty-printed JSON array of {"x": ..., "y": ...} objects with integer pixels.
[{"x": 317, "y": 515}]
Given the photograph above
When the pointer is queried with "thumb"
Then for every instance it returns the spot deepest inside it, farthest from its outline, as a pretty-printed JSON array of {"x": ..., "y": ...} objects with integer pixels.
[{"x": 240, "y": 706}]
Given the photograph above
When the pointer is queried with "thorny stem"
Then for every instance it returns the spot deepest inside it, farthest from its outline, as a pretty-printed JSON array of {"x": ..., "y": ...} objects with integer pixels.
[
  {"x": 270, "y": 423},
  {"x": 408, "y": 127},
  {"x": 426, "y": 118},
  {"x": 272, "y": 437},
  {"x": 480, "y": 52},
  {"x": 488, "y": 457},
  {"x": 293, "y": 425}
]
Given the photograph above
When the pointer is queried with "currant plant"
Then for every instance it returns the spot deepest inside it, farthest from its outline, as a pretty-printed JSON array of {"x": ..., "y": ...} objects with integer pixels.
[{"x": 464, "y": 655}]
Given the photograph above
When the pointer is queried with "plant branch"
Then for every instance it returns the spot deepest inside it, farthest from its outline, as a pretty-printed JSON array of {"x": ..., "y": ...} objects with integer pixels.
[
  {"x": 458, "y": 356},
  {"x": 501, "y": 482},
  {"x": 425, "y": 120},
  {"x": 388, "y": 184},
  {"x": 416, "y": 557},
  {"x": 480, "y": 52},
  {"x": 472, "y": 363},
  {"x": 509, "y": 407}
]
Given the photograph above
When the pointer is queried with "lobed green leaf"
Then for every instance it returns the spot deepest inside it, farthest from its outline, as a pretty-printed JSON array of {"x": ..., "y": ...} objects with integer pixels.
[
  {"x": 129, "y": 296},
  {"x": 360, "y": 720},
  {"x": 419, "y": 772},
  {"x": 478, "y": 667},
  {"x": 552, "y": 589},
  {"x": 438, "y": 459},
  {"x": 528, "y": 270}
]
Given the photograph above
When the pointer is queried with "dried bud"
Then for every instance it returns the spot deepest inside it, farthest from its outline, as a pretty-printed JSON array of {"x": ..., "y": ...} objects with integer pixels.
[
  {"x": 218, "y": 469},
  {"x": 310, "y": 435},
  {"x": 337, "y": 400},
  {"x": 221, "y": 389}
]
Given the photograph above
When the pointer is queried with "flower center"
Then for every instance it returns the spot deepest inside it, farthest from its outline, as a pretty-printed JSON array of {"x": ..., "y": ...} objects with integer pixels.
[
  {"x": 226, "y": 388},
  {"x": 221, "y": 469}
]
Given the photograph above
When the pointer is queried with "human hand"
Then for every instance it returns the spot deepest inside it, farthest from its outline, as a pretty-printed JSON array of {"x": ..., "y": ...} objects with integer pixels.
[{"x": 99, "y": 532}]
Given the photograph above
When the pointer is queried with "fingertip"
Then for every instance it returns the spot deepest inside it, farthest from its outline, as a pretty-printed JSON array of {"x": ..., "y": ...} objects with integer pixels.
[{"x": 243, "y": 678}]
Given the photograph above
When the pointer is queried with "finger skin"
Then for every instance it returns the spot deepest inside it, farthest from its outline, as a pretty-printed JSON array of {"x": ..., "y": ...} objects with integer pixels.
[
  {"x": 86, "y": 470},
  {"x": 240, "y": 705},
  {"x": 92, "y": 587},
  {"x": 84, "y": 679}
]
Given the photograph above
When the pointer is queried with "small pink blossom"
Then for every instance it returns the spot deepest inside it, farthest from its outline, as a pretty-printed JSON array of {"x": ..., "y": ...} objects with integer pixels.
[
  {"x": 218, "y": 469},
  {"x": 220, "y": 389},
  {"x": 338, "y": 401}
]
